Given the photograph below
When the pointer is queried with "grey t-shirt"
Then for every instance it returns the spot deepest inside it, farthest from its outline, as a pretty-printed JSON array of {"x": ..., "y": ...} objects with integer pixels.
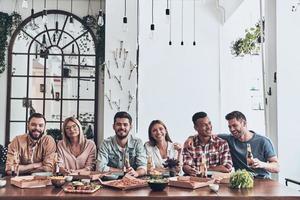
[{"x": 262, "y": 149}]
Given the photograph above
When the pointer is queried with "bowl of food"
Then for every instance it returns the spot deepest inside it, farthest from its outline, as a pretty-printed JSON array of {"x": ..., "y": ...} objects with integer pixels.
[
  {"x": 2, "y": 183},
  {"x": 68, "y": 178},
  {"x": 58, "y": 181},
  {"x": 158, "y": 184},
  {"x": 109, "y": 177}
]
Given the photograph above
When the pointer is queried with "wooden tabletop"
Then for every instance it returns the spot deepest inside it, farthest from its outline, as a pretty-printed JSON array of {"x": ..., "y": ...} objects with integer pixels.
[{"x": 263, "y": 190}]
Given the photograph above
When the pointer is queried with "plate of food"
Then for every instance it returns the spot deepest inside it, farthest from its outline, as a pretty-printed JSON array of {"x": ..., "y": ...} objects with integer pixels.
[
  {"x": 80, "y": 187},
  {"x": 127, "y": 182}
]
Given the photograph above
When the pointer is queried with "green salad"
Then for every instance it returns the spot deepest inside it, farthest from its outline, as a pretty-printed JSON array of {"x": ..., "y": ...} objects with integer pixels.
[{"x": 241, "y": 179}]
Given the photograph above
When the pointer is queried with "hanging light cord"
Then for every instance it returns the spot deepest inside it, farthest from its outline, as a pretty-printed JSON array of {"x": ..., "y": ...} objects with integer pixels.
[
  {"x": 125, "y": 8},
  {"x": 72, "y": 6},
  {"x": 194, "y": 20},
  {"x": 181, "y": 20},
  {"x": 167, "y": 4},
  {"x": 45, "y": 4},
  {"x": 152, "y": 12},
  {"x": 170, "y": 27}
]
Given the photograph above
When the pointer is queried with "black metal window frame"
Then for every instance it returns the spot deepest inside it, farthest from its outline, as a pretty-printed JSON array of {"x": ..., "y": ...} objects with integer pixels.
[{"x": 79, "y": 78}]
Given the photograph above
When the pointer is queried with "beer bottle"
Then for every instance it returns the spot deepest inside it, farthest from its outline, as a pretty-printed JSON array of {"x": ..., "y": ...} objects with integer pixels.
[
  {"x": 126, "y": 164},
  {"x": 203, "y": 167},
  {"x": 149, "y": 164},
  {"x": 249, "y": 155}
]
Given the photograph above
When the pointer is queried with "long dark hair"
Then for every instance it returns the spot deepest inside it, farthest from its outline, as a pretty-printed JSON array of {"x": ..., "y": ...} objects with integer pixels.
[{"x": 152, "y": 141}]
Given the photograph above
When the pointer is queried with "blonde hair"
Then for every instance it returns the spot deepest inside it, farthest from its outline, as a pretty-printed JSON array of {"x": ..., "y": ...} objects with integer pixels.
[{"x": 67, "y": 140}]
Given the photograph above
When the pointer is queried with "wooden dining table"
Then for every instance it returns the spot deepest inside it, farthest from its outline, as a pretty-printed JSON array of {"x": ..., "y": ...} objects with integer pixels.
[{"x": 263, "y": 190}]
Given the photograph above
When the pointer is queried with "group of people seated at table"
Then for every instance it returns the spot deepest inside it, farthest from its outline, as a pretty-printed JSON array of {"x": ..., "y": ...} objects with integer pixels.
[{"x": 37, "y": 152}]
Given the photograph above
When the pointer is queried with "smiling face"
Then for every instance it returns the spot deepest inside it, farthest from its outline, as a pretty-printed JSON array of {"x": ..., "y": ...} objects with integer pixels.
[
  {"x": 237, "y": 127},
  {"x": 36, "y": 127},
  {"x": 122, "y": 127},
  {"x": 203, "y": 127},
  {"x": 72, "y": 129},
  {"x": 158, "y": 132}
]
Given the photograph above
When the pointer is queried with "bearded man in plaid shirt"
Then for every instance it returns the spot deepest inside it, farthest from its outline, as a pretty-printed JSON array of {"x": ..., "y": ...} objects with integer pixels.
[{"x": 208, "y": 145}]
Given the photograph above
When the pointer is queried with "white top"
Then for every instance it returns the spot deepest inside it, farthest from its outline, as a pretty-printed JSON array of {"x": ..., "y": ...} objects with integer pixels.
[{"x": 157, "y": 160}]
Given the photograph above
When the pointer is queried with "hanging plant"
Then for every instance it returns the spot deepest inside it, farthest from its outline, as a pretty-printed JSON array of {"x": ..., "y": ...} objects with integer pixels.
[
  {"x": 5, "y": 25},
  {"x": 8, "y": 24},
  {"x": 250, "y": 44}
]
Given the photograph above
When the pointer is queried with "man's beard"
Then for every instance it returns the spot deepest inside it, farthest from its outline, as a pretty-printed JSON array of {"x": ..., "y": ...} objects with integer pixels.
[
  {"x": 121, "y": 137},
  {"x": 35, "y": 137}
]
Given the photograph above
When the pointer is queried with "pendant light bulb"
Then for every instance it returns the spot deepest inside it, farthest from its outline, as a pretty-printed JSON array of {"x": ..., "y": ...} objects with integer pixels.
[
  {"x": 125, "y": 24},
  {"x": 25, "y": 4},
  {"x": 167, "y": 16},
  {"x": 152, "y": 29},
  {"x": 100, "y": 18}
]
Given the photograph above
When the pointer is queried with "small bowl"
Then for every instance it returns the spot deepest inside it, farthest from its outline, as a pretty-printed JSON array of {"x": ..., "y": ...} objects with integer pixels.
[
  {"x": 58, "y": 181},
  {"x": 158, "y": 184},
  {"x": 68, "y": 178},
  {"x": 214, "y": 187},
  {"x": 110, "y": 177},
  {"x": 2, "y": 183}
]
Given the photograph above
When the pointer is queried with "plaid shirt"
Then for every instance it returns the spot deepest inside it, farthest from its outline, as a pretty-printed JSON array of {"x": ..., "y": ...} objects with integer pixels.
[{"x": 216, "y": 151}]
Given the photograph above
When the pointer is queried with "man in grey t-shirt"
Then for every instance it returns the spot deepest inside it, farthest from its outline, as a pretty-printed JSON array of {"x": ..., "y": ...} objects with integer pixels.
[{"x": 265, "y": 159}]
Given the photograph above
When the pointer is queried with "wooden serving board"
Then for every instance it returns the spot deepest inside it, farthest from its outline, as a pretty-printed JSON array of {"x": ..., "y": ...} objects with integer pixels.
[
  {"x": 190, "y": 182},
  {"x": 126, "y": 183},
  {"x": 222, "y": 177},
  {"x": 30, "y": 181},
  {"x": 97, "y": 187}
]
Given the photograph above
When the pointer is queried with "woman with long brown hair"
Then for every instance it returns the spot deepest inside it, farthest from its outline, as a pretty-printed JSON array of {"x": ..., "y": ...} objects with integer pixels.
[{"x": 160, "y": 146}]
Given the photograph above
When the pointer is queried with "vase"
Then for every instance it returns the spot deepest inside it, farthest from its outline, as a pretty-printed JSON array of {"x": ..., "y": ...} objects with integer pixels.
[{"x": 172, "y": 172}]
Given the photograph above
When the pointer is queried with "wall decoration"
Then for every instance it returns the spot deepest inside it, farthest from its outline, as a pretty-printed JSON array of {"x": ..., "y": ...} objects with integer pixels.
[
  {"x": 117, "y": 104},
  {"x": 132, "y": 68},
  {"x": 107, "y": 66},
  {"x": 108, "y": 97},
  {"x": 119, "y": 81},
  {"x": 130, "y": 99}
]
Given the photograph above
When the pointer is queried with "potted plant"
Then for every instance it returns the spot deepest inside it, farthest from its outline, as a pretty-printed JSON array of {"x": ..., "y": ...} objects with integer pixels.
[
  {"x": 250, "y": 43},
  {"x": 171, "y": 164}
]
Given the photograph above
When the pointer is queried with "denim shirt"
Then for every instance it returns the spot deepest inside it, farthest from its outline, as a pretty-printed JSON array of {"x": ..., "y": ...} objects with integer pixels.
[{"x": 110, "y": 154}]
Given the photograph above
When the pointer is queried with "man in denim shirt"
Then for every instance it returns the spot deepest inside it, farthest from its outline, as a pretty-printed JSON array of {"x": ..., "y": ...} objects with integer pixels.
[{"x": 116, "y": 151}]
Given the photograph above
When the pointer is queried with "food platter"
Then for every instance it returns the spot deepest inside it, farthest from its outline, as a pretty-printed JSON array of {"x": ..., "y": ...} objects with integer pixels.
[
  {"x": 190, "y": 182},
  {"x": 126, "y": 183},
  {"x": 79, "y": 187}
]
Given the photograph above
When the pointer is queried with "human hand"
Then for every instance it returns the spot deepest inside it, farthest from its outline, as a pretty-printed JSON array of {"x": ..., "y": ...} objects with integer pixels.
[
  {"x": 257, "y": 163},
  {"x": 37, "y": 165},
  {"x": 189, "y": 170},
  {"x": 177, "y": 147},
  {"x": 132, "y": 172},
  {"x": 188, "y": 143}
]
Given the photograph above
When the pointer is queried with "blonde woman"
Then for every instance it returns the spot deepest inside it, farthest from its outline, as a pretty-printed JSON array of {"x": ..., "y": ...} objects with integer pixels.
[{"x": 75, "y": 152}]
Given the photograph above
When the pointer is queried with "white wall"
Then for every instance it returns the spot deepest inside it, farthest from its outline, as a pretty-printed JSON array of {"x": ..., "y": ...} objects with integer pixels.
[
  {"x": 288, "y": 60},
  {"x": 113, "y": 36},
  {"x": 241, "y": 77},
  {"x": 177, "y": 81}
]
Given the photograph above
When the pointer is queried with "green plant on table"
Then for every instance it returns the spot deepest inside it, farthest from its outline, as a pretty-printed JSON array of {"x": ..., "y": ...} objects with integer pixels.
[{"x": 241, "y": 179}]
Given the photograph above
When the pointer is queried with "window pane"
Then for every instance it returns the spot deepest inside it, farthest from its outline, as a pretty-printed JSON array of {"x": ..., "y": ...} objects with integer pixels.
[{"x": 16, "y": 83}]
